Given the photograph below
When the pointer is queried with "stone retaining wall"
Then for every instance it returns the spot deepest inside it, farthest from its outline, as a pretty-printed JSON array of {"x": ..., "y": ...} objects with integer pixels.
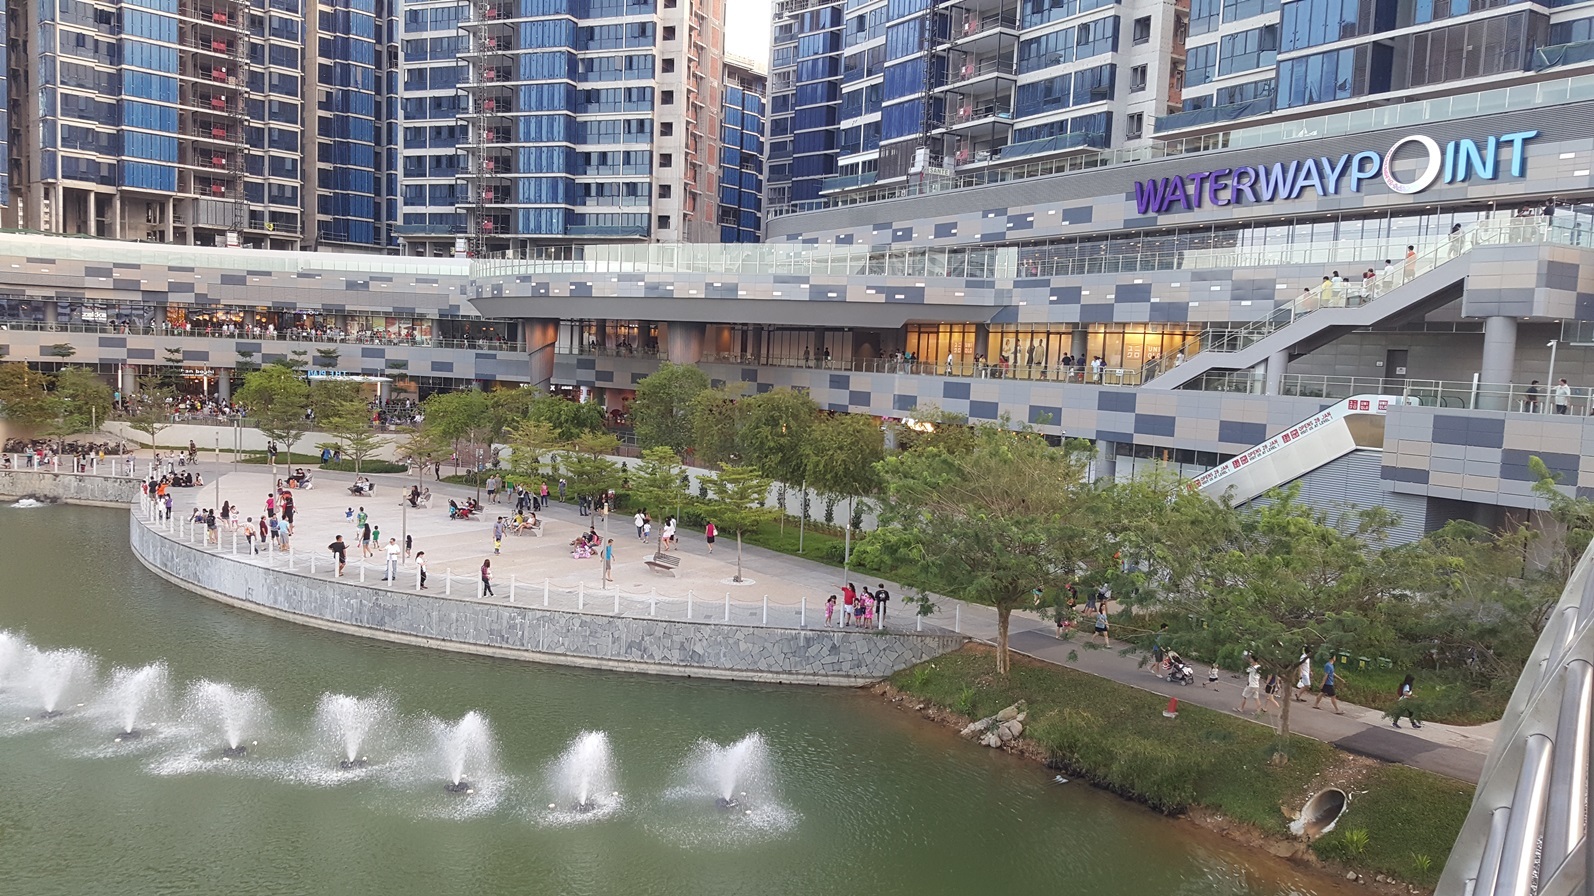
[
  {"x": 72, "y": 488},
  {"x": 664, "y": 647}
]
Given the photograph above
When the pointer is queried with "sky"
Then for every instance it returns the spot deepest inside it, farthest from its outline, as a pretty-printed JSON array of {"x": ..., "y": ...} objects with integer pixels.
[{"x": 747, "y": 29}]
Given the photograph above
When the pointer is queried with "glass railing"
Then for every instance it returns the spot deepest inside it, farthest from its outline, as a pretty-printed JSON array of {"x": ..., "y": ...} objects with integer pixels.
[
  {"x": 1527, "y": 398},
  {"x": 108, "y": 251},
  {"x": 1328, "y": 294},
  {"x": 322, "y": 337},
  {"x": 1554, "y": 92}
]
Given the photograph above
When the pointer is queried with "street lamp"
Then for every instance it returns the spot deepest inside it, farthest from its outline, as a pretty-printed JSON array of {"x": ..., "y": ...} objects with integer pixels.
[{"x": 1549, "y": 378}]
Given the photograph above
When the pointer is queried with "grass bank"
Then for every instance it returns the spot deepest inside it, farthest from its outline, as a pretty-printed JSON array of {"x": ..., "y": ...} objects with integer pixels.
[{"x": 1114, "y": 736}]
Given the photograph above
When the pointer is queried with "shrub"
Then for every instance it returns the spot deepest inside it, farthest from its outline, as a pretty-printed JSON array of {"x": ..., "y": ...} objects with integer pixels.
[{"x": 366, "y": 466}]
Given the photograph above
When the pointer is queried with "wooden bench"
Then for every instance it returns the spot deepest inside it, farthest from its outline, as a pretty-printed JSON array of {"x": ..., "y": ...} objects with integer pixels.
[{"x": 663, "y": 562}]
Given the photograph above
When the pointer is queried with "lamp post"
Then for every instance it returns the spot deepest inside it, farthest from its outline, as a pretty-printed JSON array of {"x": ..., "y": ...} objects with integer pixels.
[
  {"x": 1549, "y": 378},
  {"x": 218, "y": 472}
]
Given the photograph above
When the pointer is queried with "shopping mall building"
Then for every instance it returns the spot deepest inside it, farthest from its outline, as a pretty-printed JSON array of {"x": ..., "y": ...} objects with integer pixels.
[{"x": 1178, "y": 306}]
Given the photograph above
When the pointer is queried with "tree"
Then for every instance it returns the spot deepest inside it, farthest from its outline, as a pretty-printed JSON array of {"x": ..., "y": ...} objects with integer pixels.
[
  {"x": 459, "y": 417},
  {"x": 657, "y": 480},
  {"x": 716, "y": 426},
  {"x": 351, "y": 434},
  {"x": 738, "y": 495},
  {"x": 277, "y": 398},
  {"x": 1574, "y": 518},
  {"x": 529, "y": 442},
  {"x": 988, "y": 525},
  {"x": 61, "y": 350},
  {"x": 585, "y": 462},
  {"x": 569, "y": 419},
  {"x": 774, "y": 436},
  {"x": 327, "y": 357},
  {"x": 24, "y": 397},
  {"x": 423, "y": 447},
  {"x": 85, "y": 400},
  {"x": 661, "y": 412},
  {"x": 151, "y": 412},
  {"x": 840, "y": 457},
  {"x": 245, "y": 363},
  {"x": 1291, "y": 579}
]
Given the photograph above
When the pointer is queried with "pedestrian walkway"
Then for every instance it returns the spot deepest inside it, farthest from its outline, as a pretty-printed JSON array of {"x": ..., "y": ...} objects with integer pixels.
[{"x": 792, "y": 582}]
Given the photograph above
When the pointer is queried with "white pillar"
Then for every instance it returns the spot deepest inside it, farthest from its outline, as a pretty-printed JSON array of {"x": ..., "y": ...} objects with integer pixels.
[
  {"x": 448, "y": 582},
  {"x": 581, "y": 595},
  {"x": 802, "y": 613},
  {"x": 766, "y": 609},
  {"x": 727, "y": 606},
  {"x": 511, "y": 587},
  {"x": 653, "y": 601},
  {"x": 545, "y": 592}
]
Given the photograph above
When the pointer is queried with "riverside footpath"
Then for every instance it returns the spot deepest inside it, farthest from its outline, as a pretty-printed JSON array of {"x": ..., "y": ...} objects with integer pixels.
[{"x": 796, "y": 589}]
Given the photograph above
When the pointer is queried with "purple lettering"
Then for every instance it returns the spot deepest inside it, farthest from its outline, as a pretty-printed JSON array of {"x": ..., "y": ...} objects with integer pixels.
[
  {"x": 1149, "y": 195},
  {"x": 1244, "y": 186},
  {"x": 1276, "y": 181},
  {"x": 1331, "y": 173},
  {"x": 1217, "y": 184},
  {"x": 1196, "y": 182}
]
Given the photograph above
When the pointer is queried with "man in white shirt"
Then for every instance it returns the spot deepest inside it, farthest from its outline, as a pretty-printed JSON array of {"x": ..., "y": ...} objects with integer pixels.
[
  {"x": 393, "y": 552},
  {"x": 1563, "y": 397},
  {"x": 639, "y": 521},
  {"x": 1253, "y": 687}
]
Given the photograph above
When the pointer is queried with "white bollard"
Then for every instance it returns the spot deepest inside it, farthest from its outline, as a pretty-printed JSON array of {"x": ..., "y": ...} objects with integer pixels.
[
  {"x": 481, "y": 589},
  {"x": 95, "y": 467},
  {"x": 617, "y": 600},
  {"x": 235, "y": 541},
  {"x": 511, "y": 587},
  {"x": 312, "y": 564},
  {"x": 766, "y": 609},
  {"x": 918, "y": 622},
  {"x": 417, "y": 578},
  {"x": 545, "y": 592},
  {"x": 653, "y": 601},
  {"x": 727, "y": 606},
  {"x": 448, "y": 582},
  {"x": 581, "y": 595},
  {"x": 362, "y": 573},
  {"x": 957, "y": 618},
  {"x": 802, "y": 613}
]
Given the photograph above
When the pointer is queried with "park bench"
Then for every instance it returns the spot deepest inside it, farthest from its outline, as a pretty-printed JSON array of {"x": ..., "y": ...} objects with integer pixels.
[{"x": 662, "y": 562}]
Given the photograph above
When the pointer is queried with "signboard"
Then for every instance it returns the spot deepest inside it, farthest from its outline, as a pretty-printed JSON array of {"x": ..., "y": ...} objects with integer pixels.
[{"x": 1454, "y": 162}]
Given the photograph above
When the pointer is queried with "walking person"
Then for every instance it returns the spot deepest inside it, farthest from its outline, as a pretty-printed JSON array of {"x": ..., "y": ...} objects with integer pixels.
[
  {"x": 608, "y": 561},
  {"x": 1329, "y": 681},
  {"x": 420, "y": 566},
  {"x": 639, "y": 521},
  {"x": 1403, "y": 704},
  {"x": 487, "y": 578},
  {"x": 1101, "y": 627},
  {"x": 249, "y": 533},
  {"x": 498, "y": 536},
  {"x": 1271, "y": 689},
  {"x": 1253, "y": 687},
  {"x": 393, "y": 552},
  {"x": 1304, "y": 682},
  {"x": 365, "y": 540},
  {"x": 709, "y": 532},
  {"x": 340, "y": 553}
]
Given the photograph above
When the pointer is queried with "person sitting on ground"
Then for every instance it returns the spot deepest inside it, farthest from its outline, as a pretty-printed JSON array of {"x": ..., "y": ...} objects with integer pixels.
[
  {"x": 199, "y": 479},
  {"x": 414, "y": 495}
]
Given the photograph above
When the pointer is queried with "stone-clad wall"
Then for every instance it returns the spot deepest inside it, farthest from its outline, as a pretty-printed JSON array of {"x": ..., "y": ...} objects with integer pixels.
[
  {"x": 693, "y": 649},
  {"x": 73, "y": 488}
]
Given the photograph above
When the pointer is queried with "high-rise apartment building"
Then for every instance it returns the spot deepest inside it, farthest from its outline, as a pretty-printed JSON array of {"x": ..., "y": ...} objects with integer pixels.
[
  {"x": 171, "y": 120},
  {"x": 741, "y": 200},
  {"x": 932, "y": 94},
  {"x": 430, "y": 217},
  {"x": 352, "y": 181},
  {"x": 590, "y": 120}
]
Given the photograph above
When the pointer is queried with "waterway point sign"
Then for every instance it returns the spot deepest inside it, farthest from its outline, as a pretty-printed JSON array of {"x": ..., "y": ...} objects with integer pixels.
[{"x": 1453, "y": 162}]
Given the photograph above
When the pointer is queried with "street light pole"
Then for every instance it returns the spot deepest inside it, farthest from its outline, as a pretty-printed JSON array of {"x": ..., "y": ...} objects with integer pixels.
[
  {"x": 218, "y": 472},
  {"x": 1549, "y": 378}
]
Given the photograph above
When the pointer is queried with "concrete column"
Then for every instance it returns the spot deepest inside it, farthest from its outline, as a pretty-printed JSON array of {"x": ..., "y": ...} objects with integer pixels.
[
  {"x": 116, "y": 216},
  {"x": 1276, "y": 363},
  {"x": 1499, "y": 361},
  {"x": 683, "y": 342},
  {"x": 542, "y": 338},
  {"x": 93, "y": 213},
  {"x": 223, "y": 384},
  {"x": 1081, "y": 344},
  {"x": 1106, "y": 460}
]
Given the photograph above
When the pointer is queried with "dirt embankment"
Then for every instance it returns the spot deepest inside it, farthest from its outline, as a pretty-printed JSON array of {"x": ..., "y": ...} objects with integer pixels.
[{"x": 1345, "y": 774}]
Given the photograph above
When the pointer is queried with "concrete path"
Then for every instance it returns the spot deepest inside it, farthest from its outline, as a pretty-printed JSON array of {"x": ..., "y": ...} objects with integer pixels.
[{"x": 1453, "y": 751}]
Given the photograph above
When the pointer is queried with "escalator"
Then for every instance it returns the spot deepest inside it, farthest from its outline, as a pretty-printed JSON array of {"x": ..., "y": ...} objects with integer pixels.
[{"x": 1355, "y": 424}]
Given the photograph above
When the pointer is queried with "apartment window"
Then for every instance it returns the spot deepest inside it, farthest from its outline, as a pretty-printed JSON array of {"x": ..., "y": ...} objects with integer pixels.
[
  {"x": 666, "y": 160},
  {"x": 669, "y": 32},
  {"x": 1137, "y": 79},
  {"x": 666, "y": 97},
  {"x": 1142, "y": 30},
  {"x": 1136, "y": 126},
  {"x": 665, "y": 190},
  {"x": 666, "y": 129},
  {"x": 670, "y": 4},
  {"x": 666, "y": 65},
  {"x": 664, "y": 222}
]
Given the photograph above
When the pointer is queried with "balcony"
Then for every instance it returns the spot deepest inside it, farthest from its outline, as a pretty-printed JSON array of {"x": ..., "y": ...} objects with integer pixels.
[
  {"x": 962, "y": 72},
  {"x": 968, "y": 115}
]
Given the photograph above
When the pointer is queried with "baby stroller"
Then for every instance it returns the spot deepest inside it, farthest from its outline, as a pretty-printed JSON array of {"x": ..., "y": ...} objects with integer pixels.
[{"x": 1179, "y": 672}]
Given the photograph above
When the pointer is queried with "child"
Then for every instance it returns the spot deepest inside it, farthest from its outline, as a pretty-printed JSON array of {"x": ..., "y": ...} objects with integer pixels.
[
  {"x": 348, "y": 514},
  {"x": 1212, "y": 675},
  {"x": 830, "y": 609}
]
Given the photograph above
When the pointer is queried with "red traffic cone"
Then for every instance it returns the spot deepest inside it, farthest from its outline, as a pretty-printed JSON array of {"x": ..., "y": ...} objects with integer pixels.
[{"x": 1172, "y": 712}]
